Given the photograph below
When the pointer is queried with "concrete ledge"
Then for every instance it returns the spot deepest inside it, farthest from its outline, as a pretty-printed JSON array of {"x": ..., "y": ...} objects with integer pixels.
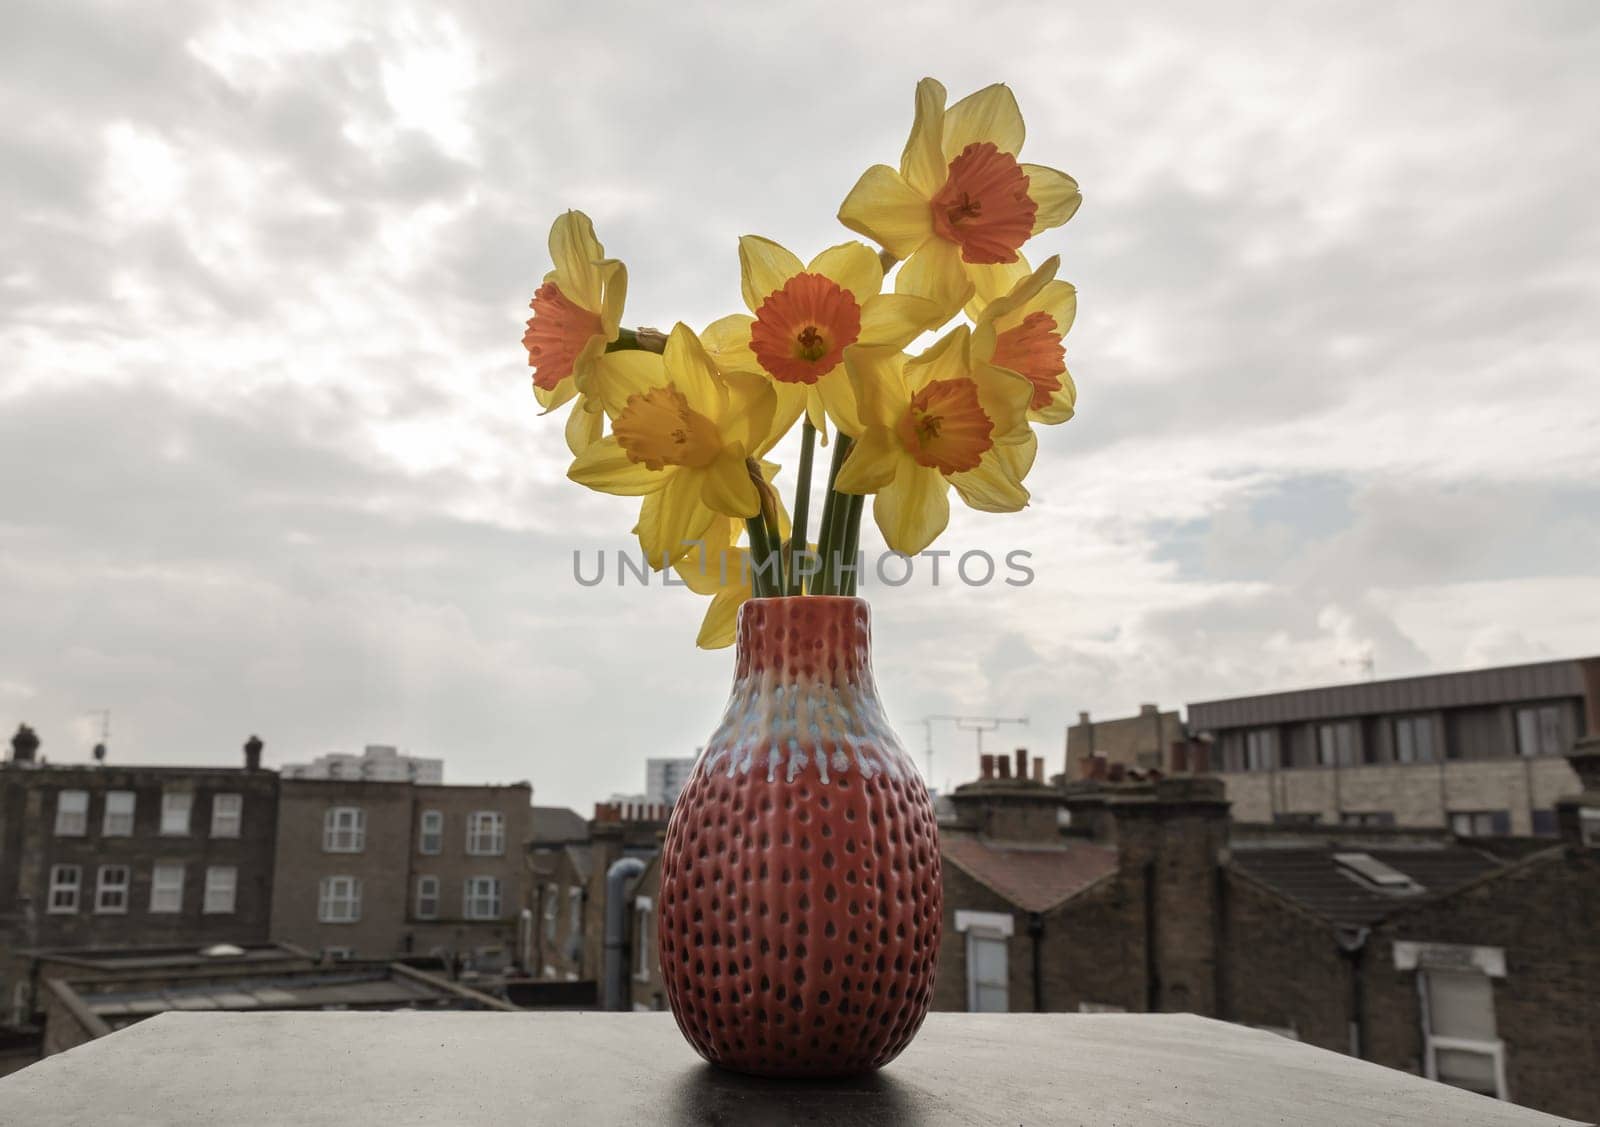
[{"x": 494, "y": 1069}]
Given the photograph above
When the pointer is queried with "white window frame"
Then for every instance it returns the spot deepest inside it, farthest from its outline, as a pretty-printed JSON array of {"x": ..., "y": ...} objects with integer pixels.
[
  {"x": 486, "y": 833},
  {"x": 344, "y": 830},
  {"x": 177, "y": 807},
  {"x": 427, "y": 892},
  {"x": 111, "y": 821},
  {"x": 72, "y": 813},
  {"x": 643, "y": 941},
  {"x": 431, "y": 833},
  {"x": 222, "y": 890},
  {"x": 1495, "y": 1050},
  {"x": 552, "y": 912},
  {"x": 62, "y": 886},
  {"x": 339, "y": 900},
  {"x": 985, "y": 927},
  {"x": 574, "y": 910},
  {"x": 119, "y": 890},
  {"x": 227, "y": 814},
  {"x": 166, "y": 894},
  {"x": 480, "y": 898}
]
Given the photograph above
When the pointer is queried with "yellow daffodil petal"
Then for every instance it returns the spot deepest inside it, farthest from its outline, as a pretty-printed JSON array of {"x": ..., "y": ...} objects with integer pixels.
[
  {"x": 614, "y": 286},
  {"x": 887, "y": 210},
  {"x": 923, "y": 164},
  {"x": 937, "y": 273},
  {"x": 1060, "y": 300},
  {"x": 944, "y": 359},
  {"x": 554, "y": 397},
  {"x": 728, "y": 342},
  {"x": 992, "y": 281},
  {"x": 673, "y": 518},
  {"x": 835, "y": 396},
  {"x": 1062, "y": 406},
  {"x": 990, "y": 114},
  {"x": 855, "y": 266},
  {"x": 877, "y": 376},
  {"x": 817, "y": 411},
  {"x": 1056, "y": 193},
  {"x": 1004, "y": 395},
  {"x": 764, "y": 266},
  {"x": 873, "y": 462},
  {"x": 584, "y": 425},
  {"x": 575, "y": 251},
  {"x": 617, "y": 376},
  {"x": 896, "y": 319},
  {"x": 726, "y": 486},
  {"x": 721, "y": 622},
  {"x": 753, "y": 417},
  {"x": 991, "y": 488},
  {"x": 690, "y": 370},
  {"x": 604, "y": 466},
  {"x": 912, "y": 509}
]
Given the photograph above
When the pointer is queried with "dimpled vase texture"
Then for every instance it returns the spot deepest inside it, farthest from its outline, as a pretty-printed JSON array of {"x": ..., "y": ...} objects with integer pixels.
[{"x": 800, "y": 892}]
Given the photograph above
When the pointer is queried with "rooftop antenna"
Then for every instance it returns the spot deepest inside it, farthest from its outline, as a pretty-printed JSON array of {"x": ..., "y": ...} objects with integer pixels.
[
  {"x": 1367, "y": 663},
  {"x": 975, "y": 724}
]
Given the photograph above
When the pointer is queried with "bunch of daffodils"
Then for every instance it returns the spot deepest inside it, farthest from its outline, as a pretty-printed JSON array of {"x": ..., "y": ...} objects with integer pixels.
[{"x": 684, "y": 420}]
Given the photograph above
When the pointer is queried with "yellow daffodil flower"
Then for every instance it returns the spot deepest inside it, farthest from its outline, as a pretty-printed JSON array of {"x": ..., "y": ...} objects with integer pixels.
[
  {"x": 961, "y": 204},
  {"x": 577, "y": 311},
  {"x": 681, "y": 432},
  {"x": 805, "y": 317},
  {"x": 932, "y": 422},
  {"x": 1022, "y": 332}
]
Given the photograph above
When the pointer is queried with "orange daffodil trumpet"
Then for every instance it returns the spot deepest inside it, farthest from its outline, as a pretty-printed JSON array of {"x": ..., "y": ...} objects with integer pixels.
[
  {"x": 961, "y": 204},
  {"x": 691, "y": 417},
  {"x": 804, "y": 319},
  {"x": 577, "y": 312}
]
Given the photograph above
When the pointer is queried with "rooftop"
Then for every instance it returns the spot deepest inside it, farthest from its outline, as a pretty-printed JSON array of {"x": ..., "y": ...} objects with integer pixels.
[
  {"x": 360, "y": 1069},
  {"x": 1035, "y": 877},
  {"x": 555, "y": 825}
]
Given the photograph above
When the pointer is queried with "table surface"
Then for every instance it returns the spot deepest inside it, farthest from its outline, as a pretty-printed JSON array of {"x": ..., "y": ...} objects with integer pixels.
[{"x": 494, "y": 1069}]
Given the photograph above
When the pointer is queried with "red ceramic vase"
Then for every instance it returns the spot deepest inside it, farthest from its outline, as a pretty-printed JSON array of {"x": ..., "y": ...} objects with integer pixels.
[{"x": 800, "y": 890}]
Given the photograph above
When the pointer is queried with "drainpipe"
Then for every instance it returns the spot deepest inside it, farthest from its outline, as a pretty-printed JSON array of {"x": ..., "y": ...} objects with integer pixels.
[
  {"x": 1036, "y": 930},
  {"x": 1152, "y": 965},
  {"x": 1353, "y": 946},
  {"x": 616, "y": 977}
]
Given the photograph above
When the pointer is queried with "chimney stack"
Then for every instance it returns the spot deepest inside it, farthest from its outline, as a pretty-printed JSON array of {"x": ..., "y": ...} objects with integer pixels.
[
  {"x": 1004, "y": 763},
  {"x": 24, "y": 744},
  {"x": 1083, "y": 719},
  {"x": 252, "y": 753},
  {"x": 1038, "y": 768},
  {"x": 986, "y": 766}
]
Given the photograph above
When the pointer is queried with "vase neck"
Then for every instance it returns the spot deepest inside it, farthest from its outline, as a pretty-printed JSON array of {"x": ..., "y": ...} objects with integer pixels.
[{"x": 806, "y": 637}]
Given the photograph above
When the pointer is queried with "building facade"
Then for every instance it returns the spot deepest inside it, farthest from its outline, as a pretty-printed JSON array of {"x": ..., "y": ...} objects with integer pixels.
[
  {"x": 1133, "y": 741},
  {"x": 664, "y": 778},
  {"x": 95, "y": 856},
  {"x": 1481, "y": 752},
  {"x": 374, "y": 870},
  {"x": 379, "y": 763}
]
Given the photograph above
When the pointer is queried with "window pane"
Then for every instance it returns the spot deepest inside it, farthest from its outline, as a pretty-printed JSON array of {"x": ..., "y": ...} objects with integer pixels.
[
  {"x": 1461, "y": 1004},
  {"x": 1466, "y": 1069},
  {"x": 988, "y": 960},
  {"x": 991, "y": 1000}
]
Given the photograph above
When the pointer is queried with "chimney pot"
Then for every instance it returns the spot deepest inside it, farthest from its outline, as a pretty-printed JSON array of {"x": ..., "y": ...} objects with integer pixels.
[
  {"x": 1200, "y": 757},
  {"x": 1038, "y": 769},
  {"x": 1083, "y": 718},
  {"x": 1004, "y": 763},
  {"x": 1022, "y": 763},
  {"x": 986, "y": 766},
  {"x": 1099, "y": 767},
  {"x": 24, "y": 744},
  {"x": 252, "y": 753},
  {"x": 1148, "y": 710},
  {"x": 1180, "y": 757}
]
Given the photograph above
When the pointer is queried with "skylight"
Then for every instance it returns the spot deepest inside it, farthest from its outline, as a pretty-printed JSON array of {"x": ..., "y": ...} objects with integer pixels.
[{"x": 1368, "y": 870}]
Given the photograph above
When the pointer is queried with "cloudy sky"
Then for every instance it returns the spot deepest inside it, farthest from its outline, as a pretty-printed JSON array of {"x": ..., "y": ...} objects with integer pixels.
[{"x": 269, "y": 461}]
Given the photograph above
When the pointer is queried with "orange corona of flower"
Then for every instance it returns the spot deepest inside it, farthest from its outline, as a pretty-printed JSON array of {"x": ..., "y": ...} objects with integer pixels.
[
  {"x": 804, "y": 318},
  {"x": 961, "y": 205},
  {"x": 932, "y": 422},
  {"x": 577, "y": 311},
  {"x": 1022, "y": 331}
]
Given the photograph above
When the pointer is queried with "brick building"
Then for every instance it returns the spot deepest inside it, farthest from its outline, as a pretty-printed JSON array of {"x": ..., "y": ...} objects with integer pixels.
[
  {"x": 95, "y": 855},
  {"x": 375, "y": 870},
  {"x": 1481, "y": 751},
  {"x": 1133, "y": 741},
  {"x": 559, "y": 871}
]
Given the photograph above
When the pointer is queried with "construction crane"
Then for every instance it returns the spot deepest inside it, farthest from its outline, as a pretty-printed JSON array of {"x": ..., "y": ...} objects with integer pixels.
[{"x": 975, "y": 724}]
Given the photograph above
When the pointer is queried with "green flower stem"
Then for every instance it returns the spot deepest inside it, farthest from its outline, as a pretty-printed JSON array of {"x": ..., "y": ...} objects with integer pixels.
[
  {"x": 802, "y": 504},
  {"x": 762, "y": 582},
  {"x": 831, "y": 530},
  {"x": 852, "y": 538}
]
